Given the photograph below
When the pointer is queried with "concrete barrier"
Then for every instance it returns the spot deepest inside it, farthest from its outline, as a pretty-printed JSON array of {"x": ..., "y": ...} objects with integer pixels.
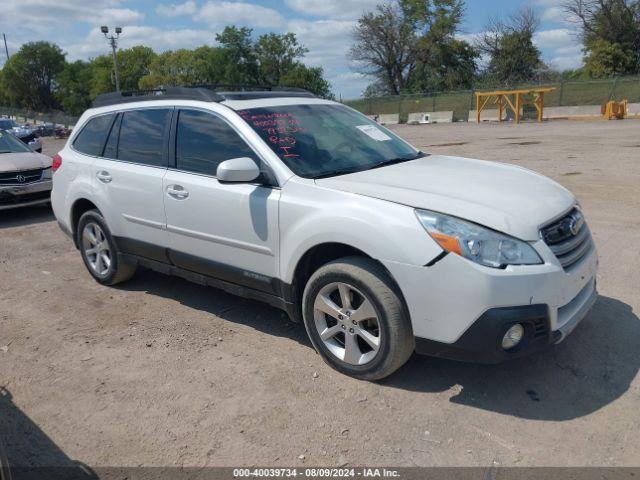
[
  {"x": 578, "y": 111},
  {"x": 634, "y": 109},
  {"x": 389, "y": 119},
  {"x": 430, "y": 117},
  {"x": 487, "y": 115}
]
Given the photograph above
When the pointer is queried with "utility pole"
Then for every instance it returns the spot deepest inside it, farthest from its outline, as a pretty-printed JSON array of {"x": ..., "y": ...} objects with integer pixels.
[
  {"x": 6, "y": 50},
  {"x": 113, "y": 41}
]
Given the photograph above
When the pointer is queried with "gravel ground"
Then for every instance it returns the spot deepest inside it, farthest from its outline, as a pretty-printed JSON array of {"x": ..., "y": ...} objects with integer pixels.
[{"x": 162, "y": 372}]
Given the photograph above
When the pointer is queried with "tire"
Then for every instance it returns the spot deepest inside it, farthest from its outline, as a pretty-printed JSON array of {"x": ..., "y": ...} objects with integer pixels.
[
  {"x": 382, "y": 345},
  {"x": 93, "y": 235}
]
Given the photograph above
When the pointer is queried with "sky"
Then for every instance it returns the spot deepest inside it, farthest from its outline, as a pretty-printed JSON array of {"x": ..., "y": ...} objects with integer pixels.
[{"x": 323, "y": 26}]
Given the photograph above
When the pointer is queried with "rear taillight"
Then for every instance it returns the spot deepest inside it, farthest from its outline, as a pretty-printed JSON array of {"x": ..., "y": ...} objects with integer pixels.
[{"x": 56, "y": 162}]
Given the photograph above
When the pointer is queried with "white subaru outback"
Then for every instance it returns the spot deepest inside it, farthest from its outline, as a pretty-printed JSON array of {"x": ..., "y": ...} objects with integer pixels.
[{"x": 380, "y": 249}]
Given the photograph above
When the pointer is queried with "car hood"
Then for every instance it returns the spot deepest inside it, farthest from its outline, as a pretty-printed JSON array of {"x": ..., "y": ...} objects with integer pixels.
[
  {"x": 507, "y": 198},
  {"x": 11, "y": 162}
]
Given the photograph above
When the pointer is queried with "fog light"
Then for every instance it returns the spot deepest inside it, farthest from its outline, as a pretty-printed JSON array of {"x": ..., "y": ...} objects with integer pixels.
[{"x": 513, "y": 336}]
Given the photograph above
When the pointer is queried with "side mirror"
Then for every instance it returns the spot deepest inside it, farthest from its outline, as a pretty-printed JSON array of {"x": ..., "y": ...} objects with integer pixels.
[{"x": 238, "y": 170}]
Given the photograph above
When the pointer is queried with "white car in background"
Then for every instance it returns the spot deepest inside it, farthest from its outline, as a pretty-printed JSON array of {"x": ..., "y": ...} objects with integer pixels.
[{"x": 380, "y": 249}]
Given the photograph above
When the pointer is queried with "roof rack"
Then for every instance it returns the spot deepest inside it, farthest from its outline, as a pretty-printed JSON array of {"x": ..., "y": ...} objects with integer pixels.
[
  {"x": 266, "y": 94},
  {"x": 247, "y": 91},
  {"x": 168, "y": 93},
  {"x": 204, "y": 93}
]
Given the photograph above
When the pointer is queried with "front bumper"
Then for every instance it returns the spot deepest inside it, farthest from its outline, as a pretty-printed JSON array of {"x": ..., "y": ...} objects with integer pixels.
[
  {"x": 461, "y": 310},
  {"x": 481, "y": 343},
  {"x": 36, "y": 193}
]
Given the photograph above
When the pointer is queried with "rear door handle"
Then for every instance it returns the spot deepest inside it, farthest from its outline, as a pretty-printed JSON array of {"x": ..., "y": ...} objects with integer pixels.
[
  {"x": 177, "y": 191},
  {"x": 104, "y": 176}
]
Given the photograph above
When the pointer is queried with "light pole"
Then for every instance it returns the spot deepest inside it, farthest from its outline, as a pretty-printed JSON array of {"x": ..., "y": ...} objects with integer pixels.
[
  {"x": 6, "y": 50},
  {"x": 113, "y": 39}
]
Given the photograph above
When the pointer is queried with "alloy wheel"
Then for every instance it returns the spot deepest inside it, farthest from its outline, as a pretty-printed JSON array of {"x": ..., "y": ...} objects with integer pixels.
[
  {"x": 347, "y": 323},
  {"x": 96, "y": 249}
]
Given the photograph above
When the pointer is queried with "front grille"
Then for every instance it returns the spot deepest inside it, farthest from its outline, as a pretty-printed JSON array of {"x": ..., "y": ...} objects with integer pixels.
[
  {"x": 20, "y": 178},
  {"x": 7, "y": 198},
  {"x": 568, "y": 238}
]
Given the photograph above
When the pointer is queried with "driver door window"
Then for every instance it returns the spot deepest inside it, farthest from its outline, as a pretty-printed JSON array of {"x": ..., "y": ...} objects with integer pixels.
[{"x": 203, "y": 141}]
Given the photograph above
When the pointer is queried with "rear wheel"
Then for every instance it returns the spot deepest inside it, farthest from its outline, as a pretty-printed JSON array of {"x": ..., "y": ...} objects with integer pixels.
[
  {"x": 356, "y": 319},
  {"x": 99, "y": 251}
]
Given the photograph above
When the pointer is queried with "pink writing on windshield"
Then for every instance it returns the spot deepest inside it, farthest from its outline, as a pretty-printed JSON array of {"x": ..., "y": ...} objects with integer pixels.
[{"x": 278, "y": 128}]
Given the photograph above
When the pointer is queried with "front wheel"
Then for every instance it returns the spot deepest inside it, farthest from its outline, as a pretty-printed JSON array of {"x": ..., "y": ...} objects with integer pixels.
[
  {"x": 99, "y": 251},
  {"x": 356, "y": 319}
]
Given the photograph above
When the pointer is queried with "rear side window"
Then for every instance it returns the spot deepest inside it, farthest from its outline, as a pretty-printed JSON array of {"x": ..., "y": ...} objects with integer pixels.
[
  {"x": 203, "y": 141},
  {"x": 142, "y": 136},
  {"x": 92, "y": 137}
]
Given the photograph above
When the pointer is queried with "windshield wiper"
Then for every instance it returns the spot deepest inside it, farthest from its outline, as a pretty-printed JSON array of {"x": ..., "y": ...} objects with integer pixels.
[
  {"x": 334, "y": 173},
  {"x": 393, "y": 161},
  {"x": 384, "y": 163}
]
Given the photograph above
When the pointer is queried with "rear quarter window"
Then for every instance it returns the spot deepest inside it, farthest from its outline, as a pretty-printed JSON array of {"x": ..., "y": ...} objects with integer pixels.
[{"x": 91, "y": 138}]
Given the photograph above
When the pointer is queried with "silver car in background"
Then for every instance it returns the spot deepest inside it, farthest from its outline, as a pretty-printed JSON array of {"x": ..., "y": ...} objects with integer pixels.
[{"x": 25, "y": 176}]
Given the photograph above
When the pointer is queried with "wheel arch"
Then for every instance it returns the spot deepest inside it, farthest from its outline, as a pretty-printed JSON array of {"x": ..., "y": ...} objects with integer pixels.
[
  {"x": 78, "y": 208},
  {"x": 317, "y": 256}
]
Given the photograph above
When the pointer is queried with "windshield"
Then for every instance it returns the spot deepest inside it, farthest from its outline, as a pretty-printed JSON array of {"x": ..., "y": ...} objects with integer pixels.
[
  {"x": 6, "y": 124},
  {"x": 317, "y": 141},
  {"x": 10, "y": 144}
]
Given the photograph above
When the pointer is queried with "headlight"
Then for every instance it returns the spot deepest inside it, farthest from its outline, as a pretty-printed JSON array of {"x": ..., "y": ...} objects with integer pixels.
[
  {"x": 46, "y": 174},
  {"x": 478, "y": 244}
]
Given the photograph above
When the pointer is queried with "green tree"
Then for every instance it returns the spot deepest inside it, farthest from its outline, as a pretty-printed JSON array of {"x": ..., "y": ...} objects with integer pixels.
[
  {"x": 239, "y": 56},
  {"x": 513, "y": 56},
  {"x": 204, "y": 65},
  {"x": 411, "y": 46},
  {"x": 133, "y": 64},
  {"x": 605, "y": 59},
  {"x": 102, "y": 75},
  {"x": 448, "y": 64},
  {"x": 309, "y": 78},
  {"x": 384, "y": 47},
  {"x": 210, "y": 63},
  {"x": 4, "y": 99},
  {"x": 29, "y": 76},
  {"x": 73, "y": 90},
  {"x": 276, "y": 55},
  {"x": 610, "y": 31},
  {"x": 443, "y": 62},
  {"x": 434, "y": 19},
  {"x": 172, "y": 68}
]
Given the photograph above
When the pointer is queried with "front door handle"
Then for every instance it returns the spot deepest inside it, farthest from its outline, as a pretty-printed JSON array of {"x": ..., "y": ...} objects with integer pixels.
[
  {"x": 104, "y": 176},
  {"x": 177, "y": 191}
]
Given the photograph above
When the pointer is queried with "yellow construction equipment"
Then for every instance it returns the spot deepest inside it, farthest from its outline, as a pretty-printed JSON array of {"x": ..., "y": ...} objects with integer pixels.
[
  {"x": 513, "y": 99},
  {"x": 614, "y": 110}
]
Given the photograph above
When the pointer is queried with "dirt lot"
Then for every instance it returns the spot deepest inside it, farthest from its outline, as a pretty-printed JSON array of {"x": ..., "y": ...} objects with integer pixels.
[{"x": 163, "y": 372}]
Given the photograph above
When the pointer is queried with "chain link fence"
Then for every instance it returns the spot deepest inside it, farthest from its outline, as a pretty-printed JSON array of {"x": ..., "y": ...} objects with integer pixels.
[
  {"x": 461, "y": 102},
  {"x": 21, "y": 115}
]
